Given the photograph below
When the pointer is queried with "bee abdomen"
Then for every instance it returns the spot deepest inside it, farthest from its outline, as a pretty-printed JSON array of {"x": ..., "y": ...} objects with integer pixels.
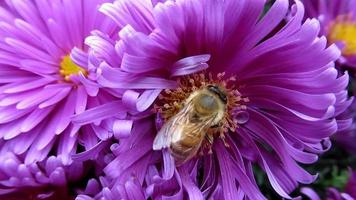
[
  {"x": 186, "y": 148},
  {"x": 182, "y": 153}
]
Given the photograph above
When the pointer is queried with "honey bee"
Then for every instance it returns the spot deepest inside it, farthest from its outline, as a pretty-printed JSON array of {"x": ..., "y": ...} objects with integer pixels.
[{"x": 183, "y": 134}]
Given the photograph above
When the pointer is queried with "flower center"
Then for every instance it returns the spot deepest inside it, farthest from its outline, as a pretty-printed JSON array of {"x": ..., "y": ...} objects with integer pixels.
[
  {"x": 343, "y": 29},
  {"x": 172, "y": 101},
  {"x": 69, "y": 68}
]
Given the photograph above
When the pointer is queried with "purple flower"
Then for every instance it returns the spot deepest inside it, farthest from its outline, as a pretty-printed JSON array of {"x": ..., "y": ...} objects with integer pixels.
[
  {"x": 350, "y": 187},
  {"x": 45, "y": 179},
  {"x": 282, "y": 89},
  {"x": 45, "y": 78},
  {"x": 333, "y": 193},
  {"x": 102, "y": 189},
  {"x": 338, "y": 24},
  {"x": 346, "y": 136}
]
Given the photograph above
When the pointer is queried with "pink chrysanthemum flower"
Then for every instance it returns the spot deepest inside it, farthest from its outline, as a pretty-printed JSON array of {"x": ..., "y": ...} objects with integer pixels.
[
  {"x": 280, "y": 86},
  {"x": 45, "y": 79},
  {"x": 48, "y": 178}
]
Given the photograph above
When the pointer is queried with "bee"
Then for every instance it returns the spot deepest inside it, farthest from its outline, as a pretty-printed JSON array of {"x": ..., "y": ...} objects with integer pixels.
[{"x": 183, "y": 134}]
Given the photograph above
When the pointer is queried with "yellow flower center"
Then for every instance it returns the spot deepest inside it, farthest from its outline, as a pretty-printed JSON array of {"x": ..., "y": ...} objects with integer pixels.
[
  {"x": 68, "y": 68},
  {"x": 343, "y": 29}
]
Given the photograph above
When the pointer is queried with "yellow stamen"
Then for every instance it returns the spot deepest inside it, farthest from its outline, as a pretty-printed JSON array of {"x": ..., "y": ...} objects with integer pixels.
[
  {"x": 68, "y": 68},
  {"x": 343, "y": 29}
]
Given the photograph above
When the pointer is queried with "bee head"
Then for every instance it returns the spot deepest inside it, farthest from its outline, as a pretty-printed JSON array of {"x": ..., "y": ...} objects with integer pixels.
[{"x": 218, "y": 92}]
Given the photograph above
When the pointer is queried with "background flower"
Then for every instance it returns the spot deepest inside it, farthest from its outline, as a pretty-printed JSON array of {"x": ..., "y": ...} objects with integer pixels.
[
  {"x": 345, "y": 138},
  {"x": 334, "y": 194},
  {"x": 285, "y": 105},
  {"x": 338, "y": 24},
  {"x": 42, "y": 85},
  {"x": 45, "y": 79},
  {"x": 47, "y": 179}
]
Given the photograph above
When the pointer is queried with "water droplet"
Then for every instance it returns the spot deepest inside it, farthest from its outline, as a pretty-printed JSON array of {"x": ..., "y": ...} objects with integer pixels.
[
  {"x": 242, "y": 117},
  {"x": 114, "y": 147}
]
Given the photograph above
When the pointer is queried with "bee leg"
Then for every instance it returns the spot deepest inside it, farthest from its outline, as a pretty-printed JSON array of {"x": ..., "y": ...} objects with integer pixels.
[
  {"x": 210, "y": 138},
  {"x": 210, "y": 150},
  {"x": 223, "y": 138}
]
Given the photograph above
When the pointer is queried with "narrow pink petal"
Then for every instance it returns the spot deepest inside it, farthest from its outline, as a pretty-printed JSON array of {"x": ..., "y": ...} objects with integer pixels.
[
  {"x": 38, "y": 37},
  {"x": 23, "y": 48},
  {"x": 23, "y": 142},
  {"x": 35, "y": 154},
  {"x": 10, "y": 113},
  {"x": 17, "y": 97},
  {"x": 65, "y": 114},
  {"x": 122, "y": 128},
  {"x": 20, "y": 87},
  {"x": 100, "y": 132},
  {"x": 81, "y": 100},
  {"x": 38, "y": 67},
  {"x": 56, "y": 98},
  {"x": 12, "y": 130},
  {"x": 36, "y": 99},
  {"x": 189, "y": 184},
  {"x": 91, "y": 153},
  {"x": 99, "y": 113},
  {"x": 190, "y": 65},
  {"x": 146, "y": 99},
  {"x": 35, "y": 118},
  {"x": 46, "y": 136}
]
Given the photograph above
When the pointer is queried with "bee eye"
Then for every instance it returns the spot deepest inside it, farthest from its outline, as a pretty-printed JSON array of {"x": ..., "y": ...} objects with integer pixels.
[{"x": 214, "y": 89}]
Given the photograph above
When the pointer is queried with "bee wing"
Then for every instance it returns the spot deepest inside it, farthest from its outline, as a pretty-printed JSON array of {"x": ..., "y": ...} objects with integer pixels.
[
  {"x": 164, "y": 137},
  {"x": 170, "y": 130}
]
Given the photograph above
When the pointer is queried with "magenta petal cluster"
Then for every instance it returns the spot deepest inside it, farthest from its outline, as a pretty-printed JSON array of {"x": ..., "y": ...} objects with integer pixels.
[
  {"x": 285, "y": 77},
  {"x": 45, "y": 79},
  {"x": 47, "y": 175}
]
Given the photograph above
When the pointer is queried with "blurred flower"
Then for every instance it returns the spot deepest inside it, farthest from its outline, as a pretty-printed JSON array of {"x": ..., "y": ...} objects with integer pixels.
[
  {"x": 283, "y": 94},
  {"x": 102, "y": 189},
  {"x": 350, "y": 187},
  {"x": 346, "y": 136},
  {"x": 333, "y": 193},
  {"x": 43, "y": 180},
  {"x": 338, "y": 24}
]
